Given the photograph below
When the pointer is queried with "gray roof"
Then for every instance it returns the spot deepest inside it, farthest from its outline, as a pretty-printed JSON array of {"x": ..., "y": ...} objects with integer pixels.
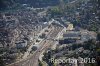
[{"x": 72, "y": 35}]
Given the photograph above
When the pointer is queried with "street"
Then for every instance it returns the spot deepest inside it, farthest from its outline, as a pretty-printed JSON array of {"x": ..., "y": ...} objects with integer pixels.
[{"x": 45, "y": 44}]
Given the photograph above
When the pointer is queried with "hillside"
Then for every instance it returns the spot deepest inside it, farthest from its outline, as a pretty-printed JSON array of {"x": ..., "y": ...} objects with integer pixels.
[
  {"x": 35, "y": 3},
  {"x": 82, "y": 13}
]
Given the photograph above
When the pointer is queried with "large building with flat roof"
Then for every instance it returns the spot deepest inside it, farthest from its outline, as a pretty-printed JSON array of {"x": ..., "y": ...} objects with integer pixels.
[{"x": 76, "y": 36}]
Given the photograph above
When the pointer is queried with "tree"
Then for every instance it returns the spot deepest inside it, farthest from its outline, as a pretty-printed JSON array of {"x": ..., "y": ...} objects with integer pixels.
[
  {"x": 2, "y": 62},
  {"x": 40, "y": 63},
  {"x": 98, "y": 36}
]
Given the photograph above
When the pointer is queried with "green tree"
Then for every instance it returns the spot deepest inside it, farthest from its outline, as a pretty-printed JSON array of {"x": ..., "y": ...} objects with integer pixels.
[
  {"x": 98, "y": 36},
  {"x": 40, "y": 63},
  {"x": 2, "y": 62}
]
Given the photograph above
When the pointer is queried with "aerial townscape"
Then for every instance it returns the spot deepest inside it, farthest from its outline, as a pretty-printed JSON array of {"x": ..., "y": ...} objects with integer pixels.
[{"x": 49, "y": 32}]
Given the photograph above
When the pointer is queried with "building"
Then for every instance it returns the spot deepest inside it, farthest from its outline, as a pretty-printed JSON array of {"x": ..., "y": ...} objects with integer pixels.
[
  {"x": 86, "y": 35},
  {"x": 70, "y": 27},
  {"x": 21, "y": 44},
  {"x": 77, "y": 36},
  {"x": 70, "y": 37}
]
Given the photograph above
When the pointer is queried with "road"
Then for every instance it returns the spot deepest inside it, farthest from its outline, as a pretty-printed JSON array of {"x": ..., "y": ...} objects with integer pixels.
[
  {"x": 45, "y": 44},
  {"x": 30, "y": 48}
]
